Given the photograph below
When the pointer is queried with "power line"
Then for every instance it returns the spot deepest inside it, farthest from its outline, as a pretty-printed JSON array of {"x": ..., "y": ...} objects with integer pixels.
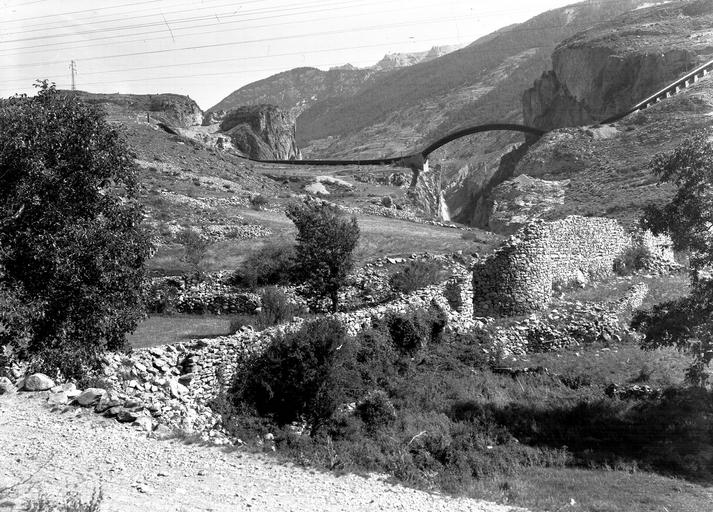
[
  {"x": 230, "y": 14},
  {"x": 260, "y": 40},
  {"x": 232, "y": 59},
  {"x": 121, "y": 36},
  {"x": 55, "y": 45}
]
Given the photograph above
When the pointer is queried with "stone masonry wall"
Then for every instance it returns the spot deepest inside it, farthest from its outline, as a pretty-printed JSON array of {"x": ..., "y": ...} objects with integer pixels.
[
  {"x": 202, "y": 367},
  {"x": 519, "y": 277}
]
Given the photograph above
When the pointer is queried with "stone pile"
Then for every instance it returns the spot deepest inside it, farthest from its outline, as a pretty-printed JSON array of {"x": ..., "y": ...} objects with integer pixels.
[
  {"x": 571, "y": 324},
  {"x": 632, "y": 391}
]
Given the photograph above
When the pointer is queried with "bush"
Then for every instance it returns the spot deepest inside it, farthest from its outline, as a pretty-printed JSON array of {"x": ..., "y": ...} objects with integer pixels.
[
  {"x": 276, "y": 307},
  {"x": 272, "y": 264},
  {"x": 161, "y": 296},
  {"x": 376, "y": 410},
  {"x": 416, "y": 275},
  {"x": 634, "y": 258},
  {"x": 301, "y": 375},
  {"x": 72, "y": 503},
  {"x": 72, "y": 242},
  {"x": 258, "y": 202},
  {"x": 411, "y": 332}
]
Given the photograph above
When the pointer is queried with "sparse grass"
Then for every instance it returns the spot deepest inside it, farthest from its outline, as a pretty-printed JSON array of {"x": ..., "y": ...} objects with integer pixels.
[{"x": 161, "y": 330}]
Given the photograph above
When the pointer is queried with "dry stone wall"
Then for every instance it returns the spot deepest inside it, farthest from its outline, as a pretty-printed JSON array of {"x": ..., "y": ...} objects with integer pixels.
[
  {"x": 203, "y": 367},
  {"x": 520, "y": 276}
]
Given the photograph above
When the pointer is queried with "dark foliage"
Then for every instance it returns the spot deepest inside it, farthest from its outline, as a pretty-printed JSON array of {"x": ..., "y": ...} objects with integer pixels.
[
  {"x": 301, "y": 375},
  {"x": 73, "y": 248},
  {"x": 272, "y": 264},
  {"x": 258, "y": 202},
  {"x": 416, "y": 275},
  {"x": 634, "y": 258},
  {"x": 686, "y": 323},
  {"x": 326, "y": 240}
]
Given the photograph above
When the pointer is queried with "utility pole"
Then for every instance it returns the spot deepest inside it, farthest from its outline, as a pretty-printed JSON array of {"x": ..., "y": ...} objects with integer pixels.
[{"x": 73, "y": 68}]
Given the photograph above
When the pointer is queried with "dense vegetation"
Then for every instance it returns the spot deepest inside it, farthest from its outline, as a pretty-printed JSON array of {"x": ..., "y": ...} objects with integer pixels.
[
  {"x": 686, "y": 323},
  {"x": 72, "y": 246}
]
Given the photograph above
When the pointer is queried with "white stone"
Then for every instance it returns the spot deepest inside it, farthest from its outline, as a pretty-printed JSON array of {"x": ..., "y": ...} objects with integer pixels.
[
  {"x": 38, "y": 382},
  {"x": 90, "y": 396}
]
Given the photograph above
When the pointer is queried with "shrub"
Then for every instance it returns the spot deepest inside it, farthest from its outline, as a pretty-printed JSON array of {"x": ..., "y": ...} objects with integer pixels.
[
  {"x": 301, "y": 375},
  {"x": 326, "y": 240},
  {"x": 276, "y": 307},
  {"x": 452, "y": 294},
  {"x": 258, "y": 202},
  {"x": 72, "y": 503},
  {"x": 376, "y": 410},
  {"x": 195, "y": 249},
  {"x": 161, "y": 296},
  {"x": 634, "y": 258},
  {"x": 416, "y": 275},
  {"x": 413, "y": 331},
  {"x": 272, "y": 264},
  {"x": 71, "y": 233}
]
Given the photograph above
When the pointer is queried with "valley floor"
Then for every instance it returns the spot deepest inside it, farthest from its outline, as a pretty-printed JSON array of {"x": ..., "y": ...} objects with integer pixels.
[{"x": 52, "y": 452}]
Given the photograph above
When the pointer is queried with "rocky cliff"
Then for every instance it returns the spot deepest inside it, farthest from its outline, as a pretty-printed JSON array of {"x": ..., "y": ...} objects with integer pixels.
[
  {"x": 607, "y": 69},
  {"x": 261, "y": 131},
  {"x": 171, "y": 109}
]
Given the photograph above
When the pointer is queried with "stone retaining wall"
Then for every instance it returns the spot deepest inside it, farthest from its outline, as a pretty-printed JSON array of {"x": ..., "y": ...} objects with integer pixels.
[
  {"x": 520, "y": 276},
  {"x": 205, "y": 366}
]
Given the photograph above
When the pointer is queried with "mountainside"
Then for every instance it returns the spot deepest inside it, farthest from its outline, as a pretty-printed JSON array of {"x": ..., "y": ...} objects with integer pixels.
[
  {"x": 603, "y": 170},
  {"x": 480, "y": 83},
  {"x": 298, "y": 89}
]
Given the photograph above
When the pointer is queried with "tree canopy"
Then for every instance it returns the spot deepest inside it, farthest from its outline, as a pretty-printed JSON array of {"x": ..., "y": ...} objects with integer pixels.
[
  {"x": 326, "y": 239},
  {"x": 72, "y": 243},
  {"x": 685, "y": 323}
]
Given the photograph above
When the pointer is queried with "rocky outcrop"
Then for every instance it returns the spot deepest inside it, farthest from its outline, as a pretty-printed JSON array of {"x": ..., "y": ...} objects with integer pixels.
[
  {"x": 521, "y": 200},
  {"x": 263, "y": 131},
  {"x": 607, "y": 69},
  {"x": 171, "y": 109}
]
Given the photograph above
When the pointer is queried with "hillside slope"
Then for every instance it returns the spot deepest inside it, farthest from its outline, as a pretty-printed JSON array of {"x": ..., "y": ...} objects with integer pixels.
[
  {"x": 477, "y": 84},
  {"x": 604, "y": 170}
]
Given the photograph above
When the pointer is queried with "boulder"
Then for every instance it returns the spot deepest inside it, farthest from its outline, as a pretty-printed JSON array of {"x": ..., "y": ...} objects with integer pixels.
[
  {"x": 69, "y": 388},
  {"x": 107, "y": 401},
  {"x": 176, "y": 388},
  {"x": 124, "y": 415},
  {"x": 90, "y": 396},
  {"x": 37, "y": 382},
  {"x": 58, "y": 398},
  {"x": 6, "y": 386},
  {"x": 144, "y": 423}
]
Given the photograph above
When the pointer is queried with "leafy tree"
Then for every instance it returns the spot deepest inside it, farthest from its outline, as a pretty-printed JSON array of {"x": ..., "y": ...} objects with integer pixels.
[
  {"x": 73, "y": 247},
  {"x": 325, "y": 242},
  {"x": 685, "y": 323}
]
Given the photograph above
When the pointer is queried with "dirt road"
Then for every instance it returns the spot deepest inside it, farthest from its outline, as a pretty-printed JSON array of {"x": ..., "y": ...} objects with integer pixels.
[{"x": 78, "y": 450}]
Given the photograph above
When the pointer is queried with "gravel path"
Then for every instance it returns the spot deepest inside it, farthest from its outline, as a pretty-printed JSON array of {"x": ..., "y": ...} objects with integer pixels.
[{"x": 74, "y": 449}]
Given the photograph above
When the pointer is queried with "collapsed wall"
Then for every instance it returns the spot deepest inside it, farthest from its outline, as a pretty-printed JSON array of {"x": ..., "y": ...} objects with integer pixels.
[{"x": 520, "y": 276}]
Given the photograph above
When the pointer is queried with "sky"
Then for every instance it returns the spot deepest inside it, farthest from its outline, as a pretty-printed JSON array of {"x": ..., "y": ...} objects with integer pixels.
[{"x": 206, "y": 49}]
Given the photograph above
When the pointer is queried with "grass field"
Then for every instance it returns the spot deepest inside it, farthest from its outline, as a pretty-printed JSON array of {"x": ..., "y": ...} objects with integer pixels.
[{"x": 161, "y": 330}]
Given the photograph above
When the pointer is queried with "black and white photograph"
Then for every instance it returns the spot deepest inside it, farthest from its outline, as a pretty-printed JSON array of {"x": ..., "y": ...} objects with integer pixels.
[{"x": 356, "y": 256}]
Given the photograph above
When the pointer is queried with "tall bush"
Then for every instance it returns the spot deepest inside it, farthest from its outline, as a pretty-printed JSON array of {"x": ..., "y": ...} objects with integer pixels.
[
  {"x": 326, "y": 240},
  {"x": 73, "y": 245},
  {"x": 300, "y": 376}
]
